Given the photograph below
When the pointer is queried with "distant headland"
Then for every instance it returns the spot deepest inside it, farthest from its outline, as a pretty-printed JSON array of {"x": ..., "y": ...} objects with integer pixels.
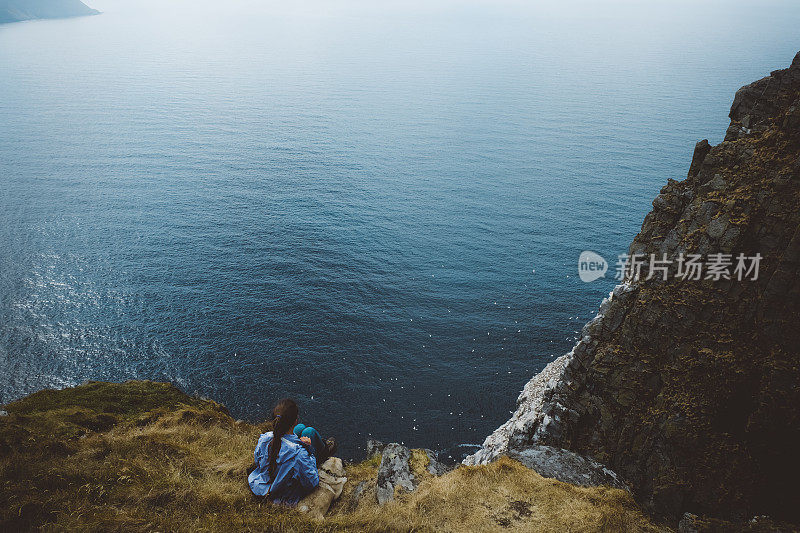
[{"x": 18, "y": 10}]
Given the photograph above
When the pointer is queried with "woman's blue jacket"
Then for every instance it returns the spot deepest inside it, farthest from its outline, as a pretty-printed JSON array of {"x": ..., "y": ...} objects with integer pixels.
[{"x": 295, "y": 473}]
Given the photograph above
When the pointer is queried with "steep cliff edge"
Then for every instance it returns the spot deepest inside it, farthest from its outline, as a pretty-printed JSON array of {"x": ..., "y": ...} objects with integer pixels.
[{"x": 689, "y": 389}]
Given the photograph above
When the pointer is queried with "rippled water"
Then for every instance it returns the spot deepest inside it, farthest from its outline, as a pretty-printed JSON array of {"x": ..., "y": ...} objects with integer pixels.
[{"x": 375, "y": 208}]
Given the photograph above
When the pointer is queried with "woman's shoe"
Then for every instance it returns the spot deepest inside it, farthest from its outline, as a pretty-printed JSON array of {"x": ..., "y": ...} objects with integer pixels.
[{"x": 331, "y": 446}]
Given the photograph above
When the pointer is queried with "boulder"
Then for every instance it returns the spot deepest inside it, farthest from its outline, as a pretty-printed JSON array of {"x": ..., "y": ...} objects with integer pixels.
[
  {"x": 566, "y": 466},
  {"x": 394, "y": 471},
  {"x": 701, "y": 150},
  {"x": 435, "y": 468},
  {"x": 374, "y": 447},
  {"x": 358, "y": 493}
]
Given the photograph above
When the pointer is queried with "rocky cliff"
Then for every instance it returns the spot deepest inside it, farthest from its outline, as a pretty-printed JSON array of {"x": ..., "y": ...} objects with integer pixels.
[
  {"x": 690, "y": 388},
  {"x": 17, "y": 10}
]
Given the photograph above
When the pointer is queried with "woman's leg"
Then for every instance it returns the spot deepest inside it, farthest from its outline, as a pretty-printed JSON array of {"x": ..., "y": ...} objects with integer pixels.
[
  {"x": 298, "y": 430},
  {"x": 316, "y": 440}
]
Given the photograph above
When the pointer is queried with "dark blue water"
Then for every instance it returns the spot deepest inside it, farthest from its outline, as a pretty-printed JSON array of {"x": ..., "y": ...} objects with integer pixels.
[{"x": 375, "y": 210}]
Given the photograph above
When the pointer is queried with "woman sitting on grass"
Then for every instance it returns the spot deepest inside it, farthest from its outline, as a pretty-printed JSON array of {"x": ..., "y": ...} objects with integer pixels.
[{"x": 286, "y": 461}]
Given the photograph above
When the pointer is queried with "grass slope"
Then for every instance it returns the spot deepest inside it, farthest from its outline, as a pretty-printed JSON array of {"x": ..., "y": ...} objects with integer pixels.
[{"x": 143, "y": 456}]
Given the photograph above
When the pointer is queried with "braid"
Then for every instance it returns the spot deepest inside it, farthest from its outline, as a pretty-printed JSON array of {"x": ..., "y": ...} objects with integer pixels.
[{"x": 285, "y": 414}]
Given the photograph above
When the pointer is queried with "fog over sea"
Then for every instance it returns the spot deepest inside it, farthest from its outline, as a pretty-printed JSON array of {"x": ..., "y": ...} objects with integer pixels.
[{"x": 373, "y": 207}]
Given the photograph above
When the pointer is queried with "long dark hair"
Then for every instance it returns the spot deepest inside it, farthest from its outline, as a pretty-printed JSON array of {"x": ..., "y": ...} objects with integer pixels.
[{"x": 284, "y": 416}]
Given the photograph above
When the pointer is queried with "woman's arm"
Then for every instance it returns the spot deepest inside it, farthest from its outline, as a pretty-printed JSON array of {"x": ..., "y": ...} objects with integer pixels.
[
  {"x": 307, "y": 470},
  {"x": 258, "y": 453},
  {"x": 306, "y": 442}
]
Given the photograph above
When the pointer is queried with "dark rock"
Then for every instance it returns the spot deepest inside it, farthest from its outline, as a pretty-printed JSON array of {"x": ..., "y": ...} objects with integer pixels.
[
  {"x": 688, "y": 524},
  {"x": 374, "y": 447},
  {"x": 756, "y": 105},
  {"x": 717, "y": 227},
  {"x": 688, "y": 388},
  {"x": 358, "y": 493},
  {"x": 701, "y": 150},
  {"x": 394, "y": 471},
  {"x": 434, "y": 466}
]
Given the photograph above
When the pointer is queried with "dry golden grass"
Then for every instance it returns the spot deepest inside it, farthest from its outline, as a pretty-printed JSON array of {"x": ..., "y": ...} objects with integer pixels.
[
  {"x": 143, "y": 456},
  {"x": 502, "y": 496}
]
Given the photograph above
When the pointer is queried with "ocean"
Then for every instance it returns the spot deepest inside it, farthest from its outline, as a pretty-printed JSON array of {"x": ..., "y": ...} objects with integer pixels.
[{"x": 375, "y": 208}]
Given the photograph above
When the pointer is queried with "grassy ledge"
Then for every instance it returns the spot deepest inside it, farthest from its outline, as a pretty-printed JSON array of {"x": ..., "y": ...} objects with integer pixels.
[{"x": 144, "y": 456}]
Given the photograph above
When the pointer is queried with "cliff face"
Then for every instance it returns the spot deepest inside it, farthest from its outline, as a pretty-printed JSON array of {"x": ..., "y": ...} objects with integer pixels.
[
  {"x": 17, "y": 10},
  {"x": 689, "y": 389}
]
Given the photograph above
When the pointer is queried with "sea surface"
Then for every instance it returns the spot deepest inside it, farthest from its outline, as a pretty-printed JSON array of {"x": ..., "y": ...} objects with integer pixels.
[{"x": 375, "y": 208}]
